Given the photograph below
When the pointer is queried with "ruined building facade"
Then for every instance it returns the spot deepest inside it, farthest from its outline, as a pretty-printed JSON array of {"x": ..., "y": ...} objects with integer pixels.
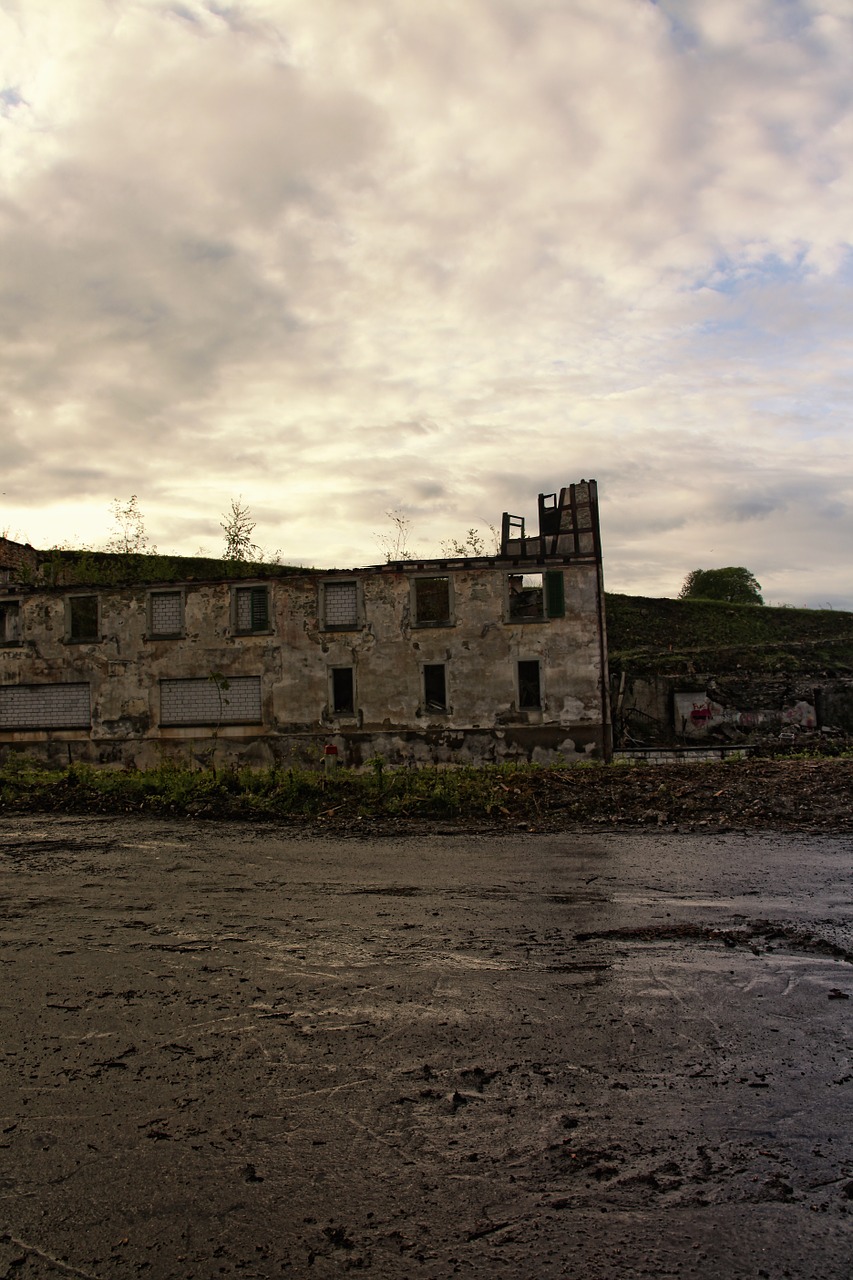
[{"x": 451, "y": 660}]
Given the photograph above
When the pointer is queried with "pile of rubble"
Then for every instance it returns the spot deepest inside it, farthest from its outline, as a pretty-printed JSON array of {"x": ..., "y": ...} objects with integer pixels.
[{"x": 756, "y": 793}]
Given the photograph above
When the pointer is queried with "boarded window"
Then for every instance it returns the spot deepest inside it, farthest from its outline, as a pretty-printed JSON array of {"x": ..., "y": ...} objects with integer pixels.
[
  {"x": 211, "y": 700},
  {"x": 343, "y": 691},
  {"x": 166, "y": 610},
  {"x": 529, "y": 690},
  {"x": 10, "y": 622},
  {"x": 83, "y": 618},
  {"x": 45, "y": 706},
  {"x": 435, "y": 687},
  {"x": 251, "y": 610},
  {"x": 340, "y": 606},
  {"x": 432, "y": 602}
]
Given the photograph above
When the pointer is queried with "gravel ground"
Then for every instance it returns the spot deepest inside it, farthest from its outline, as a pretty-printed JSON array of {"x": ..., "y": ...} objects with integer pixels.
[{"x": 229, "y": 1051}]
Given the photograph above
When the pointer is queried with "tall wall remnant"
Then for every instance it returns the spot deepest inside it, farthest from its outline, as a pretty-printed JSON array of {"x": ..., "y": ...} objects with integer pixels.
[{"x": 445, "y": 660}]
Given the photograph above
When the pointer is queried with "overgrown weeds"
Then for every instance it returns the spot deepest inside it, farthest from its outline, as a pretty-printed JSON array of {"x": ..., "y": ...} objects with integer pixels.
[
  {"x": 379, "y": 792},
  {"x": 807, "y": 793}
]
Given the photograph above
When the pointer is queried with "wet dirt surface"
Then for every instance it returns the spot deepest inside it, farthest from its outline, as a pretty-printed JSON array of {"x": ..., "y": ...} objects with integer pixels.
[{"x": 232, "y": 1052}]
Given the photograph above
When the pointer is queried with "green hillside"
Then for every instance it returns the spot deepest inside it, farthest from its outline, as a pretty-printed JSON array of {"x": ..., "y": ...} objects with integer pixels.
[{"x": 671, "y": 635}]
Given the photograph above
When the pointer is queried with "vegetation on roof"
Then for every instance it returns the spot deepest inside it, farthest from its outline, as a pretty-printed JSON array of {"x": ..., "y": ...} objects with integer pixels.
[{"x": 61, "y": 568}]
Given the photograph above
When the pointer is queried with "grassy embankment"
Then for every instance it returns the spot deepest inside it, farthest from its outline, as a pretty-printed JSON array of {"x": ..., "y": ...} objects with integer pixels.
[{"x": 668, "y": 636}]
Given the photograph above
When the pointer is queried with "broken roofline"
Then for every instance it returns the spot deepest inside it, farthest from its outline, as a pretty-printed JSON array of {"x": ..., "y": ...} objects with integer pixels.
[{"x": 568, "y": 531}]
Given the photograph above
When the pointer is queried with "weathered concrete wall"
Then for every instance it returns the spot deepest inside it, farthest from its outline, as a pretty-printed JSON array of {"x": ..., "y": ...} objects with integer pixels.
[{"x": 292, "y": 660}]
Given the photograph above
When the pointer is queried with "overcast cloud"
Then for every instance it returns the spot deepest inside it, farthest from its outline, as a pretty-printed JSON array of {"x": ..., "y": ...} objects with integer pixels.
[{"x": 340, "y": 258}]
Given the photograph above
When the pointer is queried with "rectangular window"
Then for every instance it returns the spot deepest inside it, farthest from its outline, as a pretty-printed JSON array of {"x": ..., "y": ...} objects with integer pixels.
[
  {"x": 10, "y": 622},
  {"x": 536, "y": 596},
  {"x": 83, "y": 618},
  {"x": 45, "y": 706},
  {"x": 529, "y": 687},
  {"x": 432, "y": 602},
  {"x": 435, "y": 687},
  {"x": 166, "y": 613},
  {"x": 211, "y": 700},
  {"x": 251, "y": 610},
  {"x": 526, "y": 596},
  {"x": 339, "y": 608},
  {"x": 343, "y": 691}
]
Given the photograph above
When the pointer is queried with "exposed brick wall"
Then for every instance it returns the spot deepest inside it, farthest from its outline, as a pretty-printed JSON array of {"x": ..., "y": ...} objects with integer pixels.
[
  {"x": 202, "y": 701},
  {"x": 166, "y": 613},
  {"x": 341, "y": 604},
  {"x": 44, "y": 706}
]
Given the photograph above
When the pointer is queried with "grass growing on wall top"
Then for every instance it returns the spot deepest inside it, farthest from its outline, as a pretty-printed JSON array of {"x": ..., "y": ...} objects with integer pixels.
[{"x": 59, "y": 568}]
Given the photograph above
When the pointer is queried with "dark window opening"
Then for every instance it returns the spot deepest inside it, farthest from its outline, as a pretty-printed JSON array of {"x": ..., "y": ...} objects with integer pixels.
[
  {"x": 10, "y": 622},
  {"x": 526, "y": 596},
  {"x": 549, "y": 515},
  {"x": 83, "y": 618},
  {"x": 343, "y": 691},
  {"x": 435, "y": 687},
  {"x": 432, "y": 601},
  {"x": 529, "y": 692},
  {"x": 537, "y": 595},
  {"x": 251, "y": 607}
]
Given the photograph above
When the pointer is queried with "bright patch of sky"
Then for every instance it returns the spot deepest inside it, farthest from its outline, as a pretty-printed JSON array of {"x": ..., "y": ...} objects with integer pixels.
[{"x": 340, "y": 259}]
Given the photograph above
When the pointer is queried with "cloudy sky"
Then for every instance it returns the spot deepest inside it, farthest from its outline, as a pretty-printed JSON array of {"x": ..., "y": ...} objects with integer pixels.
[{"x": 341, "y": 257}]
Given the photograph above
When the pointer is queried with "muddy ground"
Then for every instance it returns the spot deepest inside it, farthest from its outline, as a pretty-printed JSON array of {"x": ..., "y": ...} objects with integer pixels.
[{"x": 229, "y": 1051}]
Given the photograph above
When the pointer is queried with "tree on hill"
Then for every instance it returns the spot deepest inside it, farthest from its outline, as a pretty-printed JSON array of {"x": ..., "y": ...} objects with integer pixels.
[{"x": 734, "y": 585}]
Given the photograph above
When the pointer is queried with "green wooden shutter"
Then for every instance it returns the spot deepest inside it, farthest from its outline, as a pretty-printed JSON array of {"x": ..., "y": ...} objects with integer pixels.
[
  {"x": 260, "y": 611},
  {"x": 555, "y": 594}
]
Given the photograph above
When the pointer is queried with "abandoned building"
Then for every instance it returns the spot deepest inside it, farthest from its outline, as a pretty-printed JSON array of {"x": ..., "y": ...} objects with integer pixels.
[{"x": 128, "y": 660}]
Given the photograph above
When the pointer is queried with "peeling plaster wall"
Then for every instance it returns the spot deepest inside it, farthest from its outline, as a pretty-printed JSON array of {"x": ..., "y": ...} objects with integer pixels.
[{"x": 293, "y": 660}]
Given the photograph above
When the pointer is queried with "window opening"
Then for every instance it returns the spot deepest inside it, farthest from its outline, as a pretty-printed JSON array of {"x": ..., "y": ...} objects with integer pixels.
[
  {"x": 536, "y": 595},
  {"x": 526, "y": 596},
  {"x": 83, "y": 618},
  {"x": 10, "y": 622},
  {"x": 340, "y": 606},
  {"x": 251, "y": 610},
  {"x": 529, "y": 691},
  {"x": 343, "y": 691},
  {"x": 432, "y": 601},
  {"x": 435, "y": 687},
  {"x": 549, "y": 514}
]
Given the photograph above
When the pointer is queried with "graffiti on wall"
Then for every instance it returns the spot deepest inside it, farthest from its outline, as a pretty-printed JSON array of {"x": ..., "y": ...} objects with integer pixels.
[{"x": 696, "y": 715}]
